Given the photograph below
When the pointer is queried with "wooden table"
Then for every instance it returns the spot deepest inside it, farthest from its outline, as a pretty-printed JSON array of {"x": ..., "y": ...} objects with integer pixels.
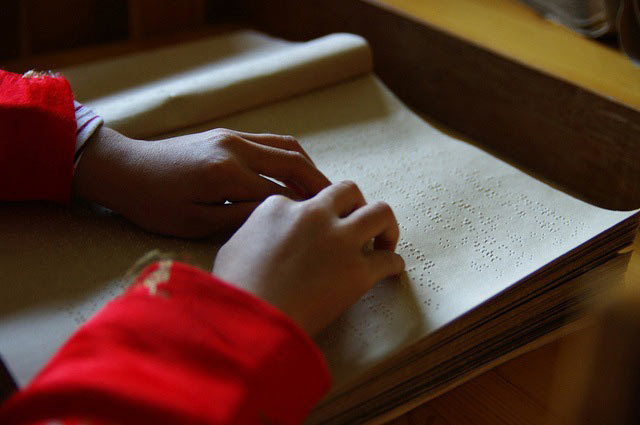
[
  {"x": 513, "y": 30},
  {"x": 521, "y": 390}
]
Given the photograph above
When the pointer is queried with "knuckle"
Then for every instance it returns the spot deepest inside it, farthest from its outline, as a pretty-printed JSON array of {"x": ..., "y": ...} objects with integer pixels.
[
  {"x": 276, "y": 200},
  {"x": 296, "y": 157},
  {"x": 350, "y": 187},
  {"x": 297, "y": 165},
  {"x": 274, "y": 206},
  {"x": 351, "y": 190},
  {"x": 276, "y": 203},
  {"x": 225, "y": 139},
  {"x": 383, "y": 209},
  {"x": 290, "y": 140},
  {"x": 223, "y": 131},
  {"x": 312, "y": 212},
  {"x": 225, "y": 165}
]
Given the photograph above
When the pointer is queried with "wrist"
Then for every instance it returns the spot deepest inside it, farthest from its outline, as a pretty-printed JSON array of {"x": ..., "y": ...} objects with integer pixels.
[{"x": 100, "y": 171}]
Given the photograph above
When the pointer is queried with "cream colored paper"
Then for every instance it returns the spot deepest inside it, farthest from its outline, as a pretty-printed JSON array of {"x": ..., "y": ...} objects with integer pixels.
[
  {"x": 471, "y": 227},
  {"x": 162, "y": 90}
]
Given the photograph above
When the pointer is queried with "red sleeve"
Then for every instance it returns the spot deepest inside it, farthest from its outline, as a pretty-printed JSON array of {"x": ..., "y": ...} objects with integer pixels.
[
  {"x": 180, "y": 347},
  {"x": 37, "y": 138}
]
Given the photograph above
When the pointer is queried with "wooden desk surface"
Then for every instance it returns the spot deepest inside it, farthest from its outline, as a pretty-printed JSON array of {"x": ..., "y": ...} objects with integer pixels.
[
  {"x": 520, "y": 390},
  {"x": 514, "y": 30}
]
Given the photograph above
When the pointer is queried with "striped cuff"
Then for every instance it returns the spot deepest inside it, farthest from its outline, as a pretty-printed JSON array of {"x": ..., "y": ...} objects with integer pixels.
[{"x": 87, "y": 123}]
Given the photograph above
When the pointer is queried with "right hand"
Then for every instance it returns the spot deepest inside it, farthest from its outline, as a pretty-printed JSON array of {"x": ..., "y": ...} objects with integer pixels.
[{"x": 310, "y": 258}]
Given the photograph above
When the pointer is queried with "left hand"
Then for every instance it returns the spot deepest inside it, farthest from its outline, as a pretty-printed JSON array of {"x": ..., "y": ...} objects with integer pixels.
[{"x": 195, "y": 185}]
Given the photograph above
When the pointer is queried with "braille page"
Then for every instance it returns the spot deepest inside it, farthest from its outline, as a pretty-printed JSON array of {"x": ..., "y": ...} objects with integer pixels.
[
  {"x": 471, "y": 225},
  {"x": 58, "y": 266}
]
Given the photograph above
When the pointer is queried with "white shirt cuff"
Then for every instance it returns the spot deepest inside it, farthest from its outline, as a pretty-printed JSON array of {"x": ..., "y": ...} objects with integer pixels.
[{"x": 87, "y": 123}]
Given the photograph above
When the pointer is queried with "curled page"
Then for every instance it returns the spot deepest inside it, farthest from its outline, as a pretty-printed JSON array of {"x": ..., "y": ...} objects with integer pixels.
[{"x": 145, "y": 95}]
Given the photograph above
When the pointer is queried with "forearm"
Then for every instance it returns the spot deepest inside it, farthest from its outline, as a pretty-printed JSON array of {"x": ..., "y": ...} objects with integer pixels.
[{"x": 179, "y": 347}]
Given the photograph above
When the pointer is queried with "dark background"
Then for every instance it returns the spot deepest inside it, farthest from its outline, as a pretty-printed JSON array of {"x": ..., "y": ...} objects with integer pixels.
[{"x": 32, "y": 27}]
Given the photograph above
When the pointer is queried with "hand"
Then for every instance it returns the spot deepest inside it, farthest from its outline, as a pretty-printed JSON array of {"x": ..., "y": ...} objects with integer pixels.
[
  {"x": 310, "y": 258},
  {"x": 195, "y": 185}
]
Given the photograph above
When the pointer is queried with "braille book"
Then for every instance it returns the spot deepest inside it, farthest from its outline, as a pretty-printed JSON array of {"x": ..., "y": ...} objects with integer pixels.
[{"x": 495, "y": 259}]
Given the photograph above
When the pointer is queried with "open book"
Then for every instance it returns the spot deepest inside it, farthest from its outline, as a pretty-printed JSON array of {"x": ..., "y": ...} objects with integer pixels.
[{"x": 494, "y": 258}]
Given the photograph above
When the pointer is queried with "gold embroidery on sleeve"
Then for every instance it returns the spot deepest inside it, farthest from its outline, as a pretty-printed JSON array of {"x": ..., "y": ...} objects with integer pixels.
[
  {"x": 158, "y": 276},
  {"x": 39, "y": 74}
]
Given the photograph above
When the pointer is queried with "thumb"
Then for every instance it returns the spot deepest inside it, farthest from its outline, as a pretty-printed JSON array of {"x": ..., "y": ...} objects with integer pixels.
[{"x": 384, "y": 263}]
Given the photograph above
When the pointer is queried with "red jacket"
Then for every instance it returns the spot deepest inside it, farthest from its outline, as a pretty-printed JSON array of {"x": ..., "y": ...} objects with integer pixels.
[{"x": 180, "y": 346}]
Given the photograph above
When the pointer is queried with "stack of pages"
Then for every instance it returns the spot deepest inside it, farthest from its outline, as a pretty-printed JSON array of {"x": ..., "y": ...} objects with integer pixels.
[{"x": 494, "y": 258}]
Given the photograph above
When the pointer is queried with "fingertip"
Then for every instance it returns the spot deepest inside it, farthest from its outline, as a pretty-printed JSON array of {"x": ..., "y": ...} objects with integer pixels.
[
  {"x": 399, "y": 264},
  {"x": 385, "y": 263},
  {"x": 316, "y": 183},
  {"x": 316, "y": 180},
  {"x": 290, "y": 193},
  {"x": 295, "y": 144},
  {"x": 378, "y": 221},
  {"x": 321, "y": 185},
  {"x": 300, "y": 191}
]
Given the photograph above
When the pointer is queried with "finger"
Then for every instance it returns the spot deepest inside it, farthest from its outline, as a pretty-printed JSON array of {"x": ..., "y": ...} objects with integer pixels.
[
  {"x": 343, "y": 198},
  {"x": 376, "y": 221},
  {"x": 383, "y": 264},
  {"x": 296, "y": 188},
  {"x": 209, "y": 220},
  {"x": 275, "y": 141},
  {"x": 284, "y": 165},
  {"x": 249, "y": 186}
]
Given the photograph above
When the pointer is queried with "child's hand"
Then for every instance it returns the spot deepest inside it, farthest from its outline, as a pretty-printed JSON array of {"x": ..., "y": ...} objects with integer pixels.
[
  {"x": 179, "y": 186},
  {"x": 310, "y": 258}
]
